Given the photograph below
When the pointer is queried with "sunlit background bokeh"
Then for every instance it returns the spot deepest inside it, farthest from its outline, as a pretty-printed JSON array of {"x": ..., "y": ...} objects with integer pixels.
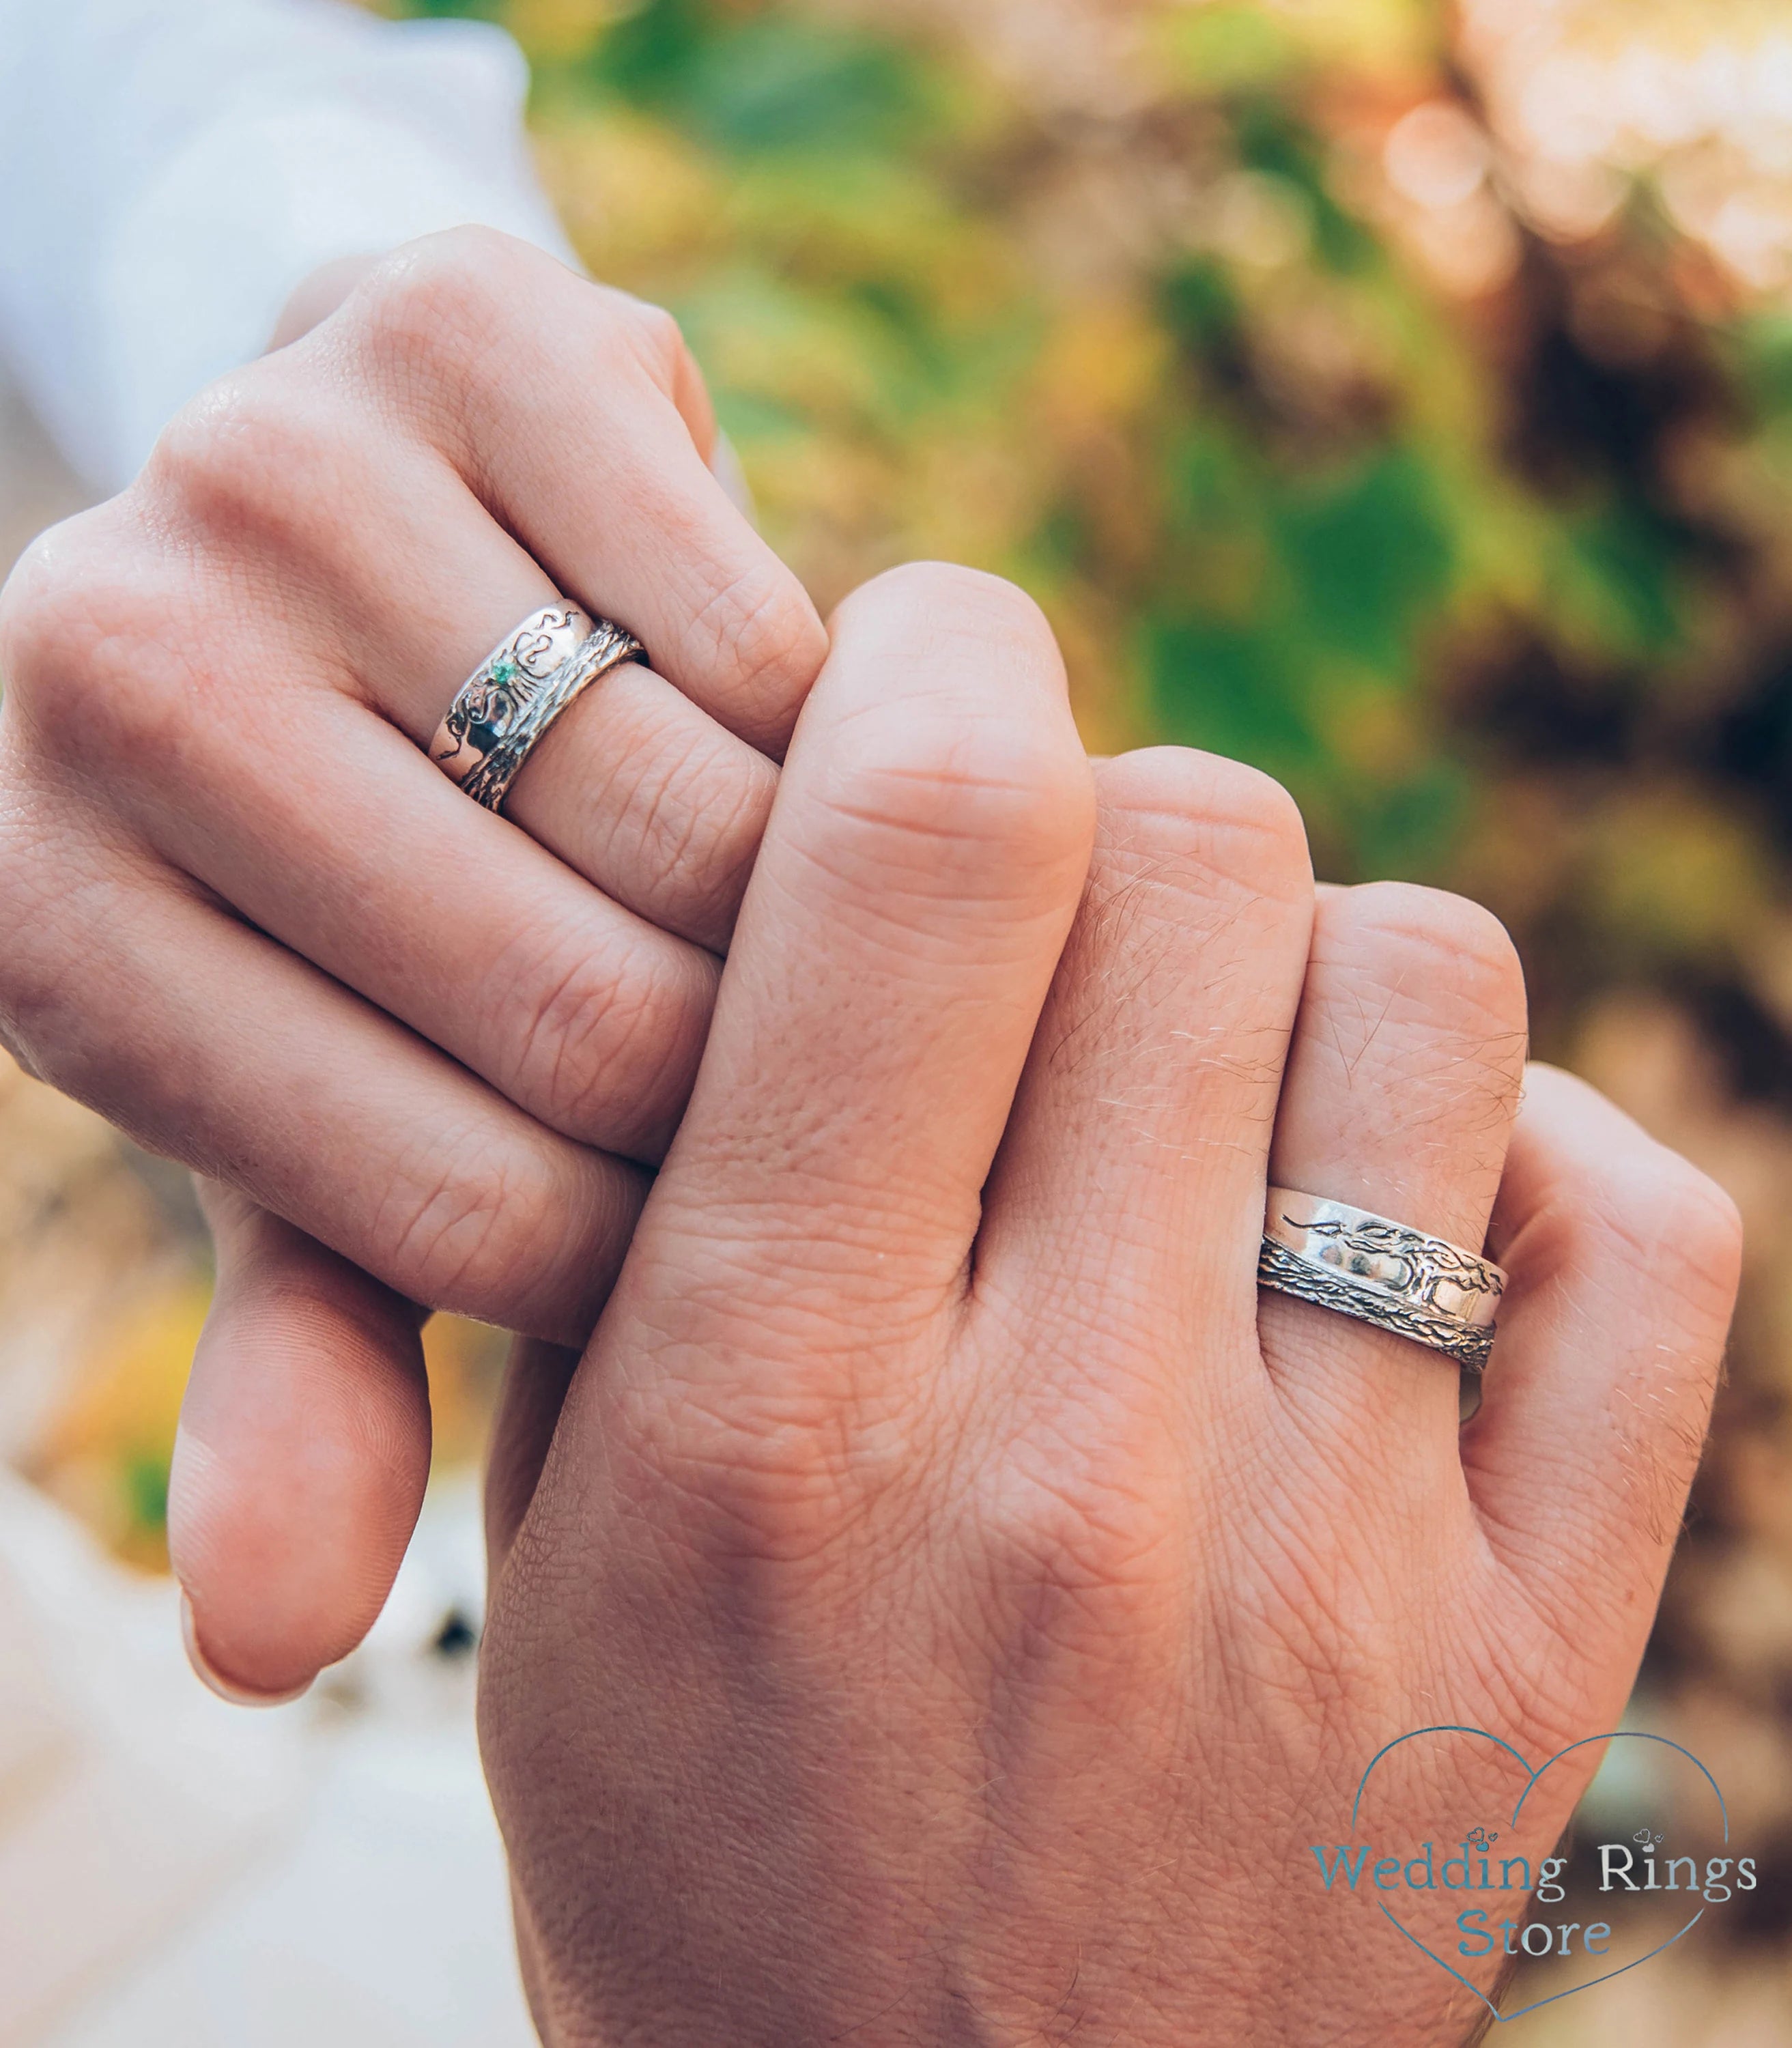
[{"x": 1397, "y": 396}]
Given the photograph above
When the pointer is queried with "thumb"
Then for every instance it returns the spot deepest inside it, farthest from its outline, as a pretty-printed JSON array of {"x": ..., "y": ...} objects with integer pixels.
[{"x": 301, "y": 1457}]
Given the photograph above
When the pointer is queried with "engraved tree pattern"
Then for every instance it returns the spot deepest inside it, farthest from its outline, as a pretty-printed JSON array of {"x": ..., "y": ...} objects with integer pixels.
[{"x": 1404, "y": 1260}]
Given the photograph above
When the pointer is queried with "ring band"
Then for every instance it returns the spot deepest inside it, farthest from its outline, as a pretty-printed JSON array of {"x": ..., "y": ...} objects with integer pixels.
[
  {"x": 1381, "y": 1272},
  {"x": 503, "y": 709}
]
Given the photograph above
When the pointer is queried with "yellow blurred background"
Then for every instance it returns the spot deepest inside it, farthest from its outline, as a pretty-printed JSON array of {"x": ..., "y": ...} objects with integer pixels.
[{"x": 1398, "y": 396}]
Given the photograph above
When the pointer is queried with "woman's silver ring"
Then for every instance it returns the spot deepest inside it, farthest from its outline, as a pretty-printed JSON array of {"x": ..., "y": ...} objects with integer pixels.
[
  {"x": 503, "y": 709},
  {"x": 1381, "y": 1272}
]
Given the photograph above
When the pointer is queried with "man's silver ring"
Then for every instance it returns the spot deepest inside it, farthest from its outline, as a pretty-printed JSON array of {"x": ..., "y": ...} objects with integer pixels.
[
  {"x": 1381, "y": 1272},
  {"x": 503, "y": 709}
]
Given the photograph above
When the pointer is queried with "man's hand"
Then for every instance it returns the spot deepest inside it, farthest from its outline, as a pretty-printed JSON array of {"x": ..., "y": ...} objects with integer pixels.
[
  {"x": 249, "y": 921},
  {"x": 952, "y": 1601}
]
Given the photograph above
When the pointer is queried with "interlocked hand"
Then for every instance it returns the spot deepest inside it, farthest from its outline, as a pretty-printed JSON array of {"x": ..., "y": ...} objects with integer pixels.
[{"x": 952, "y": 1601}]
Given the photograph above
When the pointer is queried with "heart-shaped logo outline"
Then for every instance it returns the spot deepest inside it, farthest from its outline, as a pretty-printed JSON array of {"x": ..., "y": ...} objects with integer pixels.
[{"x": 1531, "y": 1780}]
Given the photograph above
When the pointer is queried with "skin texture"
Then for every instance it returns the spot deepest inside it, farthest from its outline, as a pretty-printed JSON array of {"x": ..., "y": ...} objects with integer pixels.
[
  {"x": 945, "y": 1600},
  {"x": 950, "y": 1600},
  {"x": 426, "y": 1055}
]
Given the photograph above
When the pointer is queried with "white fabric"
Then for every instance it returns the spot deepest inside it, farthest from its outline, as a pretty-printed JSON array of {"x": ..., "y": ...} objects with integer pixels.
[{"x": 171, "y": 169}]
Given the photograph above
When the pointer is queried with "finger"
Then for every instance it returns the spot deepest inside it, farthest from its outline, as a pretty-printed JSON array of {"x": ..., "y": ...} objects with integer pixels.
[
  {"x": 663, "y": 809},
  {"x": 581, "y": 449},
  {"x": 301, "y": 1457},
  {"x": 928, "y": 846},
  {"x": 1403, "y": 1078},
  {"x": 440, "y": 913},
  {"x": 1136, "y": 1154},
  {"x": 635, "y": 787},
  {"x": 252, "y": 1067},
  {"x": 1623, "y": 1262}
]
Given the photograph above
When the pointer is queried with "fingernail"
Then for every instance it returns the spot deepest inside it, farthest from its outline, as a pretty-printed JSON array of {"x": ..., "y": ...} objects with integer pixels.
[{"x": 239, "y": 1696}]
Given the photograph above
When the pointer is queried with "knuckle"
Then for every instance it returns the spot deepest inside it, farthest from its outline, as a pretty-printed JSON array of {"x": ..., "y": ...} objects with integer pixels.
[
  {"x": 1636, "y": 1220},
  {"x": 926, "y": 788},
  {"x": 1093, "y": 1522},
  {"x": 36, "y": 602},
  {"x": 712, "y": 860},
  {"x": 1241, "y": 795},
  {"x": 1238, "y": 822},
  {"x": 648, "y": 333},
  {"x": 760, "y": 637},
  {"x": 771, "y": 1485},
  {"x": 474, "y": 1224},
  {"x": 451, "y": 1235},
  {"x": 440, "y": 303},
  {"x": 702, "y": 823},
  {"x": 1663, "y": 1244},
  {"x": 249, "y": 455},
  {"x": 963, "y": 772},
  {"x": 1709, "y": 1220},
  {"x": 964, "y": 602},
  {"x": 602, "y": 1050},
  {"x": 1440, "y": 934},
  {"x": 74, "y": 1008},
  {"x": 792, "y": 1467},
  {"x": 95, "y": 642},
  {"x": 1691, "y": 1241}
]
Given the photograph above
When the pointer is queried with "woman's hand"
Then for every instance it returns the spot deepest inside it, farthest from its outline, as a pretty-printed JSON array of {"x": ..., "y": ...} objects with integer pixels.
[
  {"x": 953, "y": 1601},
  {"x": 251, "y": 922},
  {"x": 248, "y": 919}
]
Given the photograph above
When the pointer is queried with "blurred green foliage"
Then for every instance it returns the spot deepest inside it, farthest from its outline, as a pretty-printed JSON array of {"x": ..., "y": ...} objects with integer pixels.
[
  {"x": 1155, "y": 346},
  {"x": 145, "y": 1488}
]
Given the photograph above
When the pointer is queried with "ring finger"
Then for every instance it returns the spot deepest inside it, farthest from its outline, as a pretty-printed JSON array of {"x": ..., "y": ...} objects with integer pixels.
[
  {"x": 1401, "y": 1087},
  {"x": 289, "y": 794},
  {"x": 635, "y": 786}
]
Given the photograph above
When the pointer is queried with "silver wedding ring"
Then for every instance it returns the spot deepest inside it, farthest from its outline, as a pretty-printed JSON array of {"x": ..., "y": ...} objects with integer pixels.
[
  {"x": 1381, "y": 1272},
  {"x": 500, "y": 712}
]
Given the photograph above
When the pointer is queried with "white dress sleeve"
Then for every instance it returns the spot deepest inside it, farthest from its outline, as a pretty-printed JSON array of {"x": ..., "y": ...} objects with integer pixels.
[{"x": 171, "y": 169}]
